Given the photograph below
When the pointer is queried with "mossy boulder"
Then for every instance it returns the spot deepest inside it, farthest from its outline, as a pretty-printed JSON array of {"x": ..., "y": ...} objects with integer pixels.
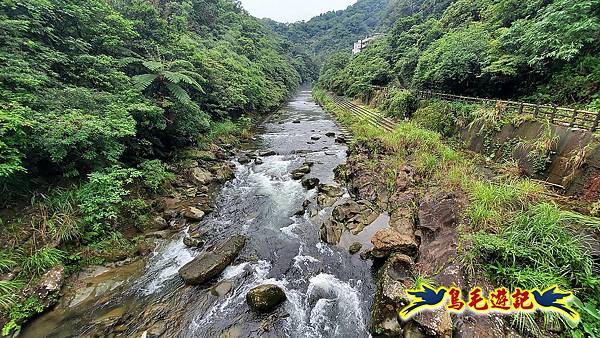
[{"x": 265, "y": 298}]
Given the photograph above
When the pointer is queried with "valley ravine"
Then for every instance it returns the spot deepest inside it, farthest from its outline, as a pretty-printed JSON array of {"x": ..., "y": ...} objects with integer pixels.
[{"x": 329, "y": 291}]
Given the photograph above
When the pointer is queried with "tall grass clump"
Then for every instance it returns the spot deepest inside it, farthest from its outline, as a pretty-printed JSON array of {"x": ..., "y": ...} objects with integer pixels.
[
  {"x": 491, "y": 203},
  {"x": 43, "y": 260},
  {"x": 538, "y": 248}
]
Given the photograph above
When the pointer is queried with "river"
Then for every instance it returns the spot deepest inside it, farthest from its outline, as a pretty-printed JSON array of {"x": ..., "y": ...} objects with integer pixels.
[{"x": 329, "y": 291}]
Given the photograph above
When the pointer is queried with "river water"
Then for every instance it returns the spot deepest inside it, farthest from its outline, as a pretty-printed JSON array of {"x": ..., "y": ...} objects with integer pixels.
[{"x": 329, "y": 291}]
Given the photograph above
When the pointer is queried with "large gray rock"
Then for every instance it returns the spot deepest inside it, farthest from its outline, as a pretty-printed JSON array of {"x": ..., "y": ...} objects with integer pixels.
[
  {"x": 193, "y": 214},
  {"x": 328, "y": 194},
  {"x": 265, "y": 298},
  {"x": 391, "y": 297},
  {"x": 50, "y": 284},
  {"x": 210, "y": 264},
  {"x": 299, "y": 173},
  {"x": 389, "y": 241},
  {"x": 201, "y": 176}
]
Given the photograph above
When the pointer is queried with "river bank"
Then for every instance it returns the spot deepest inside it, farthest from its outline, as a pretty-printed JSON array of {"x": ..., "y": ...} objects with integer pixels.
[
  {"x": 460, "y": 221},
  {"x": 278, "y": 205}
]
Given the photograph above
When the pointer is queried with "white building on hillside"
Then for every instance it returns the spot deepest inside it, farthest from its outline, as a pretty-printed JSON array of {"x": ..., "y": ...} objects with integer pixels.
[{"x": 362, "y": 44}]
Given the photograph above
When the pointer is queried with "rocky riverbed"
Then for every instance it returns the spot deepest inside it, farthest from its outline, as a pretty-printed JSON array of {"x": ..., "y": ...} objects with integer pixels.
[{"x": 243, "y": 260}]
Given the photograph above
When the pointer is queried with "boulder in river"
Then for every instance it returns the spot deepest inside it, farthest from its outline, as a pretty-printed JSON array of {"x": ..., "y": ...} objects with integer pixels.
[
  {"x": 193, "y": 214},
  {"x": 193, "y": 241},
  {"x": 330, "y": 134},
  {"x": 159, "y": 223},
  {"x": 223, "y": 172},
  {"x": 331, "y": 190},
  {"x": 210, "y": 264},
  {"x": 299, "y": 173},
  {"x": 243, "y": 159},
  {"x": 355, "y": 248},
  {"x": 268, "y": 153},
  {"x": 265, "y": 298},
  {"x": 315, "y": 137},
  {"x": 310, "y": 183}
]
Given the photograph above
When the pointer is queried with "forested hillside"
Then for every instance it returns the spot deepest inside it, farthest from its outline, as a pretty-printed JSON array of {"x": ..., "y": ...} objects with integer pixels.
[
  {"x": 541, "y": 51},
  {"x": 85, "y": 85},
  {"x": 334, "y": 31}
]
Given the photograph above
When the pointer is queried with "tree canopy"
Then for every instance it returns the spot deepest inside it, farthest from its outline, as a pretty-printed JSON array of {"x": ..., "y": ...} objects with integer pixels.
[
  {"x": 87, "y": 84},
  {"x": 542, "y": 51}
]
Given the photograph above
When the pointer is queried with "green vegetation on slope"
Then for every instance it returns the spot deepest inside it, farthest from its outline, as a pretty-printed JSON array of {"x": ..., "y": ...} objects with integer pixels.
[
  {"x": 335, "y": 31},
  {"x": 541, "y": 51},
  {"x": 85, "y": 85},
  {"x": 511, "y": 231}
]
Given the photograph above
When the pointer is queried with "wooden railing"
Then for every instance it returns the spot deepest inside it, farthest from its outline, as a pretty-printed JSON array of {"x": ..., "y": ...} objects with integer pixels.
[{"x": 574, "y": 118}]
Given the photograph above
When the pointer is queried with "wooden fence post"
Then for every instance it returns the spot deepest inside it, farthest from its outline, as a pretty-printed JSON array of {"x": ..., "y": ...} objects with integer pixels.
[
  {"x": 536, "y": 112},
  {"x": 554, "y": 111},
  {"x": 574, "y": 118},
  {"x": 521, "y": 108},
  {"x": 595, "y": 126}
]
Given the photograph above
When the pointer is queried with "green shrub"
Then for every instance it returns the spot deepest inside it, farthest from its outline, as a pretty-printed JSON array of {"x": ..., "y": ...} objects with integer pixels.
[
  {"x": 437, "y": 116},
  {"x": 8, "y": 293},
  {"x": 400, "y": 103},
  {"x": 83, "y": 130},
  {"x": 101, "y": 199},
  {"x": 12, "y": 138},
  {"x": 18, "y": 313},
  {"x": 155, "y": 174}
]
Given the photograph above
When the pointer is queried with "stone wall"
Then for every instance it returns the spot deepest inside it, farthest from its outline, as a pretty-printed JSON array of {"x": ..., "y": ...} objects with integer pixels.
[{"x": 563, "y": 170}]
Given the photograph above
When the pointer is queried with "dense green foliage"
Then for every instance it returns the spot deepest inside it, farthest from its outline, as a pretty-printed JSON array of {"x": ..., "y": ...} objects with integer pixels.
[
  {"x": 511, "y": 232},
  {"x": 400, "y": 103},
  {"x": 87, "y": 85},
  {"x": 542, "y": 51}
]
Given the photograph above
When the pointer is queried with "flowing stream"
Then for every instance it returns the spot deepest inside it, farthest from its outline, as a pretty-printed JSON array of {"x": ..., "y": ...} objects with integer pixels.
[{"x": 329, "y": 291}]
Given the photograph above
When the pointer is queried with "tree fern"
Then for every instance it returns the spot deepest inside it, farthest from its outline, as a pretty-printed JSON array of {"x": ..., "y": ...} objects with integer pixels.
[
  {"x": 179, "y": 93},
  {"x": 170, "y": 75},
  {"x": 155, "y": 66},
  {"x": 141, "y": 82}
]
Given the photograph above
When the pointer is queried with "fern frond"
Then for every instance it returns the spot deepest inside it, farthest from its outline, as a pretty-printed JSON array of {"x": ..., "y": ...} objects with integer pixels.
[
  {"x": 8, "y": 293},
  {"x": 9, "y": 286},
  {"x": 43, "y": 260},
  {"x": 171, "y": 76},
  {"x": 126, "y": 61},
  {"x": 141, "y": 82},
  {"x": 188, "y": 80},
  {"x": 181, "y": 65},
  {"x": 154, "y": 66},
  {"x": 193, "y": 75},
  {"x": 179, "y": 93}
]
